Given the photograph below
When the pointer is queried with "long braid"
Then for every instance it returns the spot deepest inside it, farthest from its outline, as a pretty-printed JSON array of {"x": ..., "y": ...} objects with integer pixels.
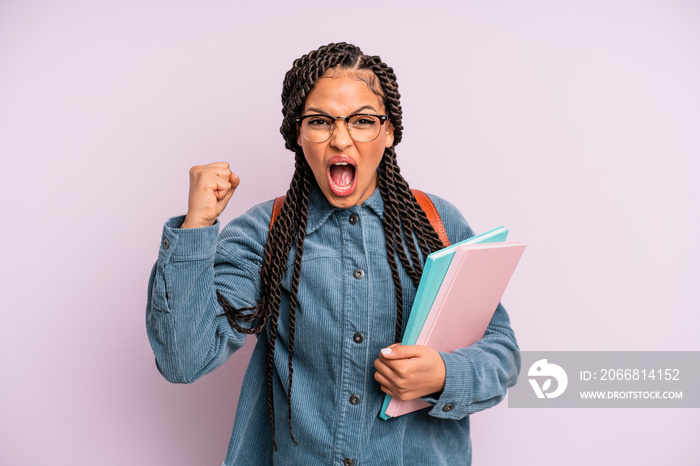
[
  {"x": 290, "y": 224},
  {"x": 393, "y": 186},
  {"x": 301, "y": 236},
  {"x": 393, "y": 241},
  {"x": 405, "y": 223}
]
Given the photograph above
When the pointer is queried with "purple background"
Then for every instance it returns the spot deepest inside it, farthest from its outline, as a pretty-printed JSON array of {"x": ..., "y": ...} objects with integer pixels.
[{"x": 574, "y": 123}]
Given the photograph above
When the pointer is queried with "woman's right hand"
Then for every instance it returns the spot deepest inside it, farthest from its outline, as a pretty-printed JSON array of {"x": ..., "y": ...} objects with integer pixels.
[{"x": 211, "y": 187}]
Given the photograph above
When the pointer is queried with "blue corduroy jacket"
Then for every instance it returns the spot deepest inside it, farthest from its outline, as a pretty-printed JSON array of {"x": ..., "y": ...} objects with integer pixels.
[{"x": 343, "y": 320}]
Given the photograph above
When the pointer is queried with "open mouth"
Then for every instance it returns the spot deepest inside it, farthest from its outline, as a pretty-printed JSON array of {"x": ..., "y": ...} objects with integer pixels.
[{"x": 341, "y": 176}]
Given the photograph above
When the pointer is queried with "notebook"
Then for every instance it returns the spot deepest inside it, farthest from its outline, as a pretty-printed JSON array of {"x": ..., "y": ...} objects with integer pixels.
[
  {"x": 434, "y": 270},
  {"x": 466, "y": 300}
]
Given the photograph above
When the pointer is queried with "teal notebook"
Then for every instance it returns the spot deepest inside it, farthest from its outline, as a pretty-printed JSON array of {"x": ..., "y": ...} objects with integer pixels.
[{"x": 434, "y": 271}]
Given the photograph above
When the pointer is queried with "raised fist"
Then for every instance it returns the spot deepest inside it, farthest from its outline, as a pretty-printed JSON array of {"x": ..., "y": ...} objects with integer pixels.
[{"x": 211, "y": 187}]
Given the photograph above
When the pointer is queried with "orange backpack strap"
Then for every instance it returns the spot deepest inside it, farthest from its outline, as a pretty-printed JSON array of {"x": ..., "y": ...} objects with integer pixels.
[
  {"x": 422, "y": 198},
  {"x": 276, "y": 208},
  {"x": 432, "y": 214}
]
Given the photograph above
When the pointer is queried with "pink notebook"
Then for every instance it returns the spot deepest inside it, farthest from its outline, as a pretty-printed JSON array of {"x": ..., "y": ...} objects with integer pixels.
[{"x": 468, "y": 297}]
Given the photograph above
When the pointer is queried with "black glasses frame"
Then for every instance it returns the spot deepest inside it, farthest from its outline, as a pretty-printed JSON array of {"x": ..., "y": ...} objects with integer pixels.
[{"x": 382, "y": 119}]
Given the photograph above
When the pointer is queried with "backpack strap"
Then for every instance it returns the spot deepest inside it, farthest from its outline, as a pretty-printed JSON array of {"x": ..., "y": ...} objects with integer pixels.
[
  {"x": 422, "y": 198},
  {"x": 276, "y": 209},
  {"x": 432, "y": 214}
]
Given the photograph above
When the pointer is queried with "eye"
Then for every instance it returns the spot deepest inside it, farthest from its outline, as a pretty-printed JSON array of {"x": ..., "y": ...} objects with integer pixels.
[
  {"x": 363, "y": 121},
  {"x": 318, "y": 122}
]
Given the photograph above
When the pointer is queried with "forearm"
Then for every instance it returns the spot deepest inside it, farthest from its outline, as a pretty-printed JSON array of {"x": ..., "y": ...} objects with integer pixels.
[
  {"x": 188, "y": 336},
  {"x": 478, "y": 376}
]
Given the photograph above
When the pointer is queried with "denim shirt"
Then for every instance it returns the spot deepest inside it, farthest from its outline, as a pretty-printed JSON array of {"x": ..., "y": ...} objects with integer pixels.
[{"x": 344, "y": 317}]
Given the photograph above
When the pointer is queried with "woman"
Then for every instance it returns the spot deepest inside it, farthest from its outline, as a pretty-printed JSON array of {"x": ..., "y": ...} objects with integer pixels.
[{"x": 329, "y": 283}]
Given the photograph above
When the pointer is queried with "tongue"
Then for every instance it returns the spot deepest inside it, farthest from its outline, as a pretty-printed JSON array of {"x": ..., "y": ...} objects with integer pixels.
[{"x": 342, "y": 175}]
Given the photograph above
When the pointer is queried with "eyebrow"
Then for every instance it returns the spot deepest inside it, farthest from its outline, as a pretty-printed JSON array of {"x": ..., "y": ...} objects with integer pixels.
[{"x": 359, "y": 110}]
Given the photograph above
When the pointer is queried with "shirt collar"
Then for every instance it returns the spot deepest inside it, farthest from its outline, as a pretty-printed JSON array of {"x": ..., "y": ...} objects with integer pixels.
[{"x": 320, "y": 209}]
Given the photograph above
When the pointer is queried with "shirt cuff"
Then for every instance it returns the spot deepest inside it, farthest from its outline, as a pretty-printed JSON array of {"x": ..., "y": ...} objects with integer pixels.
[
  {"x": 451, "y": 403},
  {"x": 188, "y": 244}
]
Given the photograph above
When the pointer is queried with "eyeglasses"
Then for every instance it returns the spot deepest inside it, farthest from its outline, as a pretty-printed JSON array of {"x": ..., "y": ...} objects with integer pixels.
[{"x": 362, "y": 127}]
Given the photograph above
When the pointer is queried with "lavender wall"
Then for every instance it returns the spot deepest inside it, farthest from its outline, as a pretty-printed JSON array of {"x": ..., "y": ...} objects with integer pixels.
[{"x": 573, "y": 123}]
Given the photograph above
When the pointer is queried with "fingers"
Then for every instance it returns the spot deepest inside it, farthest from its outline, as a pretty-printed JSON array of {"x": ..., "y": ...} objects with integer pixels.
[
  {"x": 211, "y": 188},
  {"x": 235, "y": 180},
  {"x": 393, "y": 369},
  {"x": 391, "y": 374},
  {"x": 409, "y": 371},
  {"x": 385, "y": 377},
  {"x": 232, "y": 183},
  {"x": 392, "y": 382},
  {"x": 394, "y": 361},
  {"x": 399, "y": 351},
  {"x": 383, "y": 371},
  {"x": 383, "y": 381},
  {"x": 219, "y": 169},
  {"x": 223, "y": 183}
]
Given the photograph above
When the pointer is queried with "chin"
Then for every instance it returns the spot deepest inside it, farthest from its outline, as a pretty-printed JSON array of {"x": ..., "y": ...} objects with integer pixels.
[{"x": 344, "y": 202}]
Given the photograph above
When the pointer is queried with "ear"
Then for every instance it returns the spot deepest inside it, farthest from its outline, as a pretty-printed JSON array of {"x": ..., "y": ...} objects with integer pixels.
[
  {"x": 298, "y": 136},
  {"x": 389, "y": 135}
]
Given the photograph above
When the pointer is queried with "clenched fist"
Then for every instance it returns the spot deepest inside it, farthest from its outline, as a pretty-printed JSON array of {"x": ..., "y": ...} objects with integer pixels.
[{"x": 211, "y": 187}]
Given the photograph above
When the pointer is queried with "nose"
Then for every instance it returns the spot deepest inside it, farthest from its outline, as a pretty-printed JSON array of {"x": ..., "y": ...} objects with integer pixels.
[{"x": 340, "y": 137}]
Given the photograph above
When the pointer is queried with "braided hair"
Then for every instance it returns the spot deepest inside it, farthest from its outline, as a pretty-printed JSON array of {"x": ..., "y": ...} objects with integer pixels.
[{"x": 403, "y": 216}]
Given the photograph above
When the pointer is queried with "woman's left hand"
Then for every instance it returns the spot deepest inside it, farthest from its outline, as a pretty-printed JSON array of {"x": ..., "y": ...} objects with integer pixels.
[{"x": 409, "y": 372}]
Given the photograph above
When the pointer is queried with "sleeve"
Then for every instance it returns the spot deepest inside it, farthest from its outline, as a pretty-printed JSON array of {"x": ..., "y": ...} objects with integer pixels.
[
  {"x": 477, "y": 377},
  {"x": 185, "y": 324}
]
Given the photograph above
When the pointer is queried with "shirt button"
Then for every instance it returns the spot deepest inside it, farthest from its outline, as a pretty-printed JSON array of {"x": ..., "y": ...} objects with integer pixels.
[
  {"x": 166, "y": 243},
  {"x": 354, "y": 400},
  {"x": 448, "y": 407},
  {"x": 347, "y": 462},
  {"x": 358, "y": 337},
  {"x": 358, "y": 273},
  {"x": 353, "y": 219}
]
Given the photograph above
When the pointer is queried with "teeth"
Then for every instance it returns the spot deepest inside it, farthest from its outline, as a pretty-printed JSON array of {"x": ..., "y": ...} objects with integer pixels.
[{"x": 340, "y": 163}]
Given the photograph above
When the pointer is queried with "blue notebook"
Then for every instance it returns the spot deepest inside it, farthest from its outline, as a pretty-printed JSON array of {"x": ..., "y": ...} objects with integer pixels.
[{"x": 434, "y": 270}]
